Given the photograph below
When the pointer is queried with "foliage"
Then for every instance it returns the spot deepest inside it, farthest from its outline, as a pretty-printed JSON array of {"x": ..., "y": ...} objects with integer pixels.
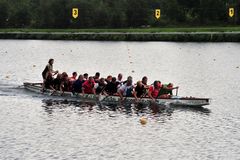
[{"x": 114, "y": 13}]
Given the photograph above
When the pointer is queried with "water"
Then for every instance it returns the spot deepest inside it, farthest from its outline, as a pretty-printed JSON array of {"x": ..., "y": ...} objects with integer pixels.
[{"x": 36, "y": 127}]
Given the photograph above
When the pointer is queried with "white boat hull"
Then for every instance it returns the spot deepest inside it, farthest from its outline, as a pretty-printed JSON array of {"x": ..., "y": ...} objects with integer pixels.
[{"x": 177, "y": 101}]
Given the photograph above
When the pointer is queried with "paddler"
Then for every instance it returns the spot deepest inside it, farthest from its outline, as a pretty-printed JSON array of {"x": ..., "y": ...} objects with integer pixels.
[
  {"x": 88, "y": 86},
  {"x": 153, "y": 91},
  {"x": 166, "y": 90},
  {"x": 138, "y": 91},
  {"x": 126, "y": 89}
]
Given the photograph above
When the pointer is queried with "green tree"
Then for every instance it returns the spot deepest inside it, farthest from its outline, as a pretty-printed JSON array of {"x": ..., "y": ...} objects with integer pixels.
[{"x": 3, "y": 13}]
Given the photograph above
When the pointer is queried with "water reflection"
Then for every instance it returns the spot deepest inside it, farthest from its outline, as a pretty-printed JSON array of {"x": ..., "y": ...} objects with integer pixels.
[{"x": 138, "y": 109}]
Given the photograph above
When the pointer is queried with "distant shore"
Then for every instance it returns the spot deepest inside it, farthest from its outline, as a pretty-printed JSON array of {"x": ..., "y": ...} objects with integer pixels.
[{"x": 204, "y": 34}]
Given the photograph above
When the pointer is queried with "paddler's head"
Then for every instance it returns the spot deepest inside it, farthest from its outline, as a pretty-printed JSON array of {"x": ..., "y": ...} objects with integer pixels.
[
  {"x": 170, "y": 85},
  {"x": 102, "y": 80},
  {"x": 120, "y": 76},
  {"x": 139, "y": 84},
  {"x": 80, "y": 77},
  {"x": 144, "y": 80},
  {"x": 74, "y": 74},
  {"x": 85, "y": 76},
  {"x": 129, "y": 80},
  {"x": 97, "y": 75},
  {"x": 114, "y": 79},
  {"x": 90, "y": 80},
  {"x": 109, "y": 78},
  {"x": 157, "y": 84},
  {"x": 51, "y": 61}
]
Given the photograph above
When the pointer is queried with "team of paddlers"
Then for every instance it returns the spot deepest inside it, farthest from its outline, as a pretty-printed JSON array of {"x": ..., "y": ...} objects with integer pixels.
[{"x": 84, "y": 84}]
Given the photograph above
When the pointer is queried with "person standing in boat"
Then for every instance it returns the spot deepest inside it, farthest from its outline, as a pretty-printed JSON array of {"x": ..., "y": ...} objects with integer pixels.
[
  {"x": 126, "y": 89},
  {"x": 48, "y": 69}
]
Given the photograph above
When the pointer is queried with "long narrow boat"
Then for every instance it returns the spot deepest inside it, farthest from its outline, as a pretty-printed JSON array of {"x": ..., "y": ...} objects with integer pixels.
[{"x": 177, "y": 101}]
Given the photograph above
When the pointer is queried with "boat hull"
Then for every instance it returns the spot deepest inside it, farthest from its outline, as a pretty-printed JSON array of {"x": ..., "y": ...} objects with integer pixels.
[{"x": 177, "y": 101}]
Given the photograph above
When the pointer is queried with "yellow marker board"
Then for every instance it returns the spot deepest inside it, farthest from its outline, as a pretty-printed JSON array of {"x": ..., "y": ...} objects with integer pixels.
[
  {"x": 231, "y": 12},
  {"x": 157, "y": 13},
  {"x": 75, "y": 12}
]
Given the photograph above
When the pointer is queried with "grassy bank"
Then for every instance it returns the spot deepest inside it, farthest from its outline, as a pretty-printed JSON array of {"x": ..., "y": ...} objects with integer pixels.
[{"x": 204, "y": 34}]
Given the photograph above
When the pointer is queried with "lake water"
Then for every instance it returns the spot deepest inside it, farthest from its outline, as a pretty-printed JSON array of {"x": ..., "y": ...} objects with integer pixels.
[{"x": 36, "y": 127}]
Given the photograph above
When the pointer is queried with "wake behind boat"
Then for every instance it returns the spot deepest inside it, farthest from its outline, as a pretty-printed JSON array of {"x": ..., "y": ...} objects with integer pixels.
[{"x": 174, "y": 100}]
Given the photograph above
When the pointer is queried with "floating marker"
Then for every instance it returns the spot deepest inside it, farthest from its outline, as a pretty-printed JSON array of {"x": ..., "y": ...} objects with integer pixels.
[
  {"x": 231, "y": 12},
  {"x": 143, "y": 120},
  {"x": 157, "y": 13},
  {"x": 75, "y": 13}
]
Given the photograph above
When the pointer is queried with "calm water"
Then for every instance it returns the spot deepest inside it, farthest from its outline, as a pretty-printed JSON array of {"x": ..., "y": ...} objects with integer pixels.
[{"x": 35, "y": 127}]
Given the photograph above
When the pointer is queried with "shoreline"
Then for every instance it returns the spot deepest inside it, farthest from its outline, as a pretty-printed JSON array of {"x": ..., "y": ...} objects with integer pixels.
[{"x": 126, "y": 36}]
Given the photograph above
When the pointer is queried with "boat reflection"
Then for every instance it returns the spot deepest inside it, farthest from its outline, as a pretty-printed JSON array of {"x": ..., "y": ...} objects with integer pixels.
[{"x": 50, "y": 105}]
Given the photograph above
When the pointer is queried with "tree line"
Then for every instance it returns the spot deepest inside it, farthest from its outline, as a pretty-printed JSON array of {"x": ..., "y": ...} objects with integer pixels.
[{"x": 115, "y": 13}]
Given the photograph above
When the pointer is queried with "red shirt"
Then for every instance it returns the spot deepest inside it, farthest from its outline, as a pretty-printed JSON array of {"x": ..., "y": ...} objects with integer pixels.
[
  {"x": 88, "y": 88},
  {"x": 154, "y": 91}
]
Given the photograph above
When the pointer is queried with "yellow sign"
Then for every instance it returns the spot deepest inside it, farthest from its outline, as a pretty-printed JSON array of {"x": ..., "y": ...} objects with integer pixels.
[
  {"x": 75, "y": 12},
  {"x": 231, "y": 12},
  {"x": 157, "y": 13}
]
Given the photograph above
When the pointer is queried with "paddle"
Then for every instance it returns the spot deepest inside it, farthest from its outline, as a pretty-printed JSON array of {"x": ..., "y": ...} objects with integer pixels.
[{"x": 54, "y": 91}]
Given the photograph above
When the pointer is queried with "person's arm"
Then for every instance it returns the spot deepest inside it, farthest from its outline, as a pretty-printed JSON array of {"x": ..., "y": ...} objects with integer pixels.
[
  {"x": 120, "y": 94},
  {"x": 175, "y": 88},
  {"x": 61, "y": 88},
  {"x": 150, "y": 94},
  {"x": 94, "y": 91},
  {"x": 135, "y": 93},
  {"x": 146, "y": 86},
  {"x": 105, "y": 93},
  {"x": 55, "y": 72}
]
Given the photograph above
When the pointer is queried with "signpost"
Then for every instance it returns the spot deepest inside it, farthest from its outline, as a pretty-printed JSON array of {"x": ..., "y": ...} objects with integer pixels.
[
  {"x": 231, "y": 12},
  {"x": 157, "y": 13},
  {"x": 75, "y": 13}
]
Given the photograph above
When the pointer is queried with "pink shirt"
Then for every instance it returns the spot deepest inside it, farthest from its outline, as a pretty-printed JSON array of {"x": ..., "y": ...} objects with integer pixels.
[{"x": 154, "y": 91}]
